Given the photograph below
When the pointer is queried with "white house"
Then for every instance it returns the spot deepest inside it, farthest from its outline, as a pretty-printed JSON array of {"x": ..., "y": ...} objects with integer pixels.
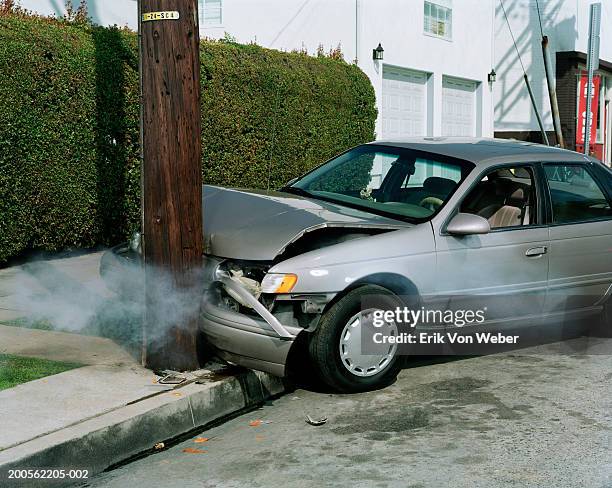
[{"x": 432, "y": 79}]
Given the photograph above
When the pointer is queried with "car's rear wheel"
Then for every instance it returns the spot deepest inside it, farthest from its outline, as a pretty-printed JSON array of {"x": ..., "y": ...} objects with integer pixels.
[{"x": 336, "y": 346}]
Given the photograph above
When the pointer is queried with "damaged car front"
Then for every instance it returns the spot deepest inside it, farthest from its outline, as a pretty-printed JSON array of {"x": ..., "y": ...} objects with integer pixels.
[
  {"x": 298, "y": 261},
  {"x": 253, "y": 311}
]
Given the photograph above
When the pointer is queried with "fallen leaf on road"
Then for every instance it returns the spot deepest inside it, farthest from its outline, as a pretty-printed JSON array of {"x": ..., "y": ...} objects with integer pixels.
[
  {"x": 191, "y": 450},
  {"x": 177, "y": 394},
  {"x": 200, "y": 439},
  {"x": 255, "y": 423}
]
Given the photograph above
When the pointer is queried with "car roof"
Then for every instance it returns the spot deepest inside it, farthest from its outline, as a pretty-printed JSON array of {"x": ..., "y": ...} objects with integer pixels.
[{"x": 486, "y": 150}]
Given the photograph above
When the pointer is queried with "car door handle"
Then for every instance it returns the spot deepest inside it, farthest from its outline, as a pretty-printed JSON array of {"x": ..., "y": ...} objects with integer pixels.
[{"x": 536, "y": 251}]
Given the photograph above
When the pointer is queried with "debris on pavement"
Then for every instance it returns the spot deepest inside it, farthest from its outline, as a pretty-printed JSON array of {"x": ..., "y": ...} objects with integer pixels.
[
  {"x": 193, "y": 450},
  {"x": 159, "y": 445},
  {"x": 172, "y": 379},
  {"x": 199, "y": 440},
  {"x": 315, "y": 422},
  {"x": 163, "y": 373}
]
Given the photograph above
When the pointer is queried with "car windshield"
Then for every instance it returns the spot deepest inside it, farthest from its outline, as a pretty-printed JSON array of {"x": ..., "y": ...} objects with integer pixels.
[{"x": 395, "y": 182}]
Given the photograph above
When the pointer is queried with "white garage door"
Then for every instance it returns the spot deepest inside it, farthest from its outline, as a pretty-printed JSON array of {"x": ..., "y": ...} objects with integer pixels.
[
  {"x": 403, "y": 103},
  {"x": 458, "y": 107}
]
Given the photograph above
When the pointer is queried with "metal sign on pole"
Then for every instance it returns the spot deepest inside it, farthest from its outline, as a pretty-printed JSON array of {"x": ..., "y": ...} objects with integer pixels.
[{"x": 592, "y": 65}]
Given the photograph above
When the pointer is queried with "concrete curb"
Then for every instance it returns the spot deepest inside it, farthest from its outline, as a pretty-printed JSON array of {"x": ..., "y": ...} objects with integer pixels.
[{"x": 116, "y": 436}]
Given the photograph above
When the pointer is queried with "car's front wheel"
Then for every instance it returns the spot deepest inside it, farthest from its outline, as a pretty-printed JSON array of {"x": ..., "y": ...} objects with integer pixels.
[{"x": 336, "y": 346}]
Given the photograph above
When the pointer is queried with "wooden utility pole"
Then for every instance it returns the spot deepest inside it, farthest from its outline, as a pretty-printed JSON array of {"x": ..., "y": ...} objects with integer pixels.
[{"x": 172, "y": 180}]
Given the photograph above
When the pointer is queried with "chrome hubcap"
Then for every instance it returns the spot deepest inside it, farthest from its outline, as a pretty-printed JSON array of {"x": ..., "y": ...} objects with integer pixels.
[{"x": 351, "y": 355}]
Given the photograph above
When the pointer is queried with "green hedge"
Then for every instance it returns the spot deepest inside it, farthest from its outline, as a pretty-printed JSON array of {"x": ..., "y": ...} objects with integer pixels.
[{"x": 69, "y": 166}]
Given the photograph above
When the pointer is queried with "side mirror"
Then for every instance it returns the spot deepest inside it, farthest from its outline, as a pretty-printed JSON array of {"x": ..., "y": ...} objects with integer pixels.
[
  {"x": 464, "y": 224},
  {"x": 291, "y": 181}
]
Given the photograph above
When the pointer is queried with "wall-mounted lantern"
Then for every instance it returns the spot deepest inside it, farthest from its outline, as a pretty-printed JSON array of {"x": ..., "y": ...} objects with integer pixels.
[
  {"x": 492, "y": 76},
  {"x": 377, "y": 54}
]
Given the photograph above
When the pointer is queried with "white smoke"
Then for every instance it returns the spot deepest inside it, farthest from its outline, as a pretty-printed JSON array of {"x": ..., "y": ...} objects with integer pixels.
[{"x": 53, "y": 297}]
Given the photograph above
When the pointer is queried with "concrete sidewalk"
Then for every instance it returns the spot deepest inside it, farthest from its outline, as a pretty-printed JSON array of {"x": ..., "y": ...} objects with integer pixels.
[
  {"x": 62, "y": 346},
  {"x": 111, "y": 408},
  {"x": 97, "y": 416}
]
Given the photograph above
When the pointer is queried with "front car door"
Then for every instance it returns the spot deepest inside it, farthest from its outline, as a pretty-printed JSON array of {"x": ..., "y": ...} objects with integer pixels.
[
  {"x": 505, "y": 270},
  {"x": 580, "y": 216}
]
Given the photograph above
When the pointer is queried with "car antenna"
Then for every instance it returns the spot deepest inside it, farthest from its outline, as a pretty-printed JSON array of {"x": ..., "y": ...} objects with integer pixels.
[{"x": 273, "y": 141}]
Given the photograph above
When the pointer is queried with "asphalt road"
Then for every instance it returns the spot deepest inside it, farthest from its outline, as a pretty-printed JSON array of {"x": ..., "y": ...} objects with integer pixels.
[{"x": 532, "y": 417}]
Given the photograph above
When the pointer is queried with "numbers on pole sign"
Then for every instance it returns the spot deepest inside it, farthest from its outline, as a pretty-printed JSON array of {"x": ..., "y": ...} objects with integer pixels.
[{"x": 167, "y": 15}]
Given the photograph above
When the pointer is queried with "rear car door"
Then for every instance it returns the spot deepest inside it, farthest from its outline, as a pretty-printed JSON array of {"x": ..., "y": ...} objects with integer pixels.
[
  {"x": 580, "y": 215},
  {"x": 505, "y": 270}
]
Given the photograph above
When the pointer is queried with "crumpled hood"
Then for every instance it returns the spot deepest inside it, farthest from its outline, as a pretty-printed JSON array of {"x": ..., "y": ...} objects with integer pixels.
[{"x": 257, "y": 225}]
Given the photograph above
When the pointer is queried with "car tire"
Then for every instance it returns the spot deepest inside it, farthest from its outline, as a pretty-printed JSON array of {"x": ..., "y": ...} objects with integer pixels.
[
  {"x": 603, "y": 323},
  {"x": 324, "y": 345}
]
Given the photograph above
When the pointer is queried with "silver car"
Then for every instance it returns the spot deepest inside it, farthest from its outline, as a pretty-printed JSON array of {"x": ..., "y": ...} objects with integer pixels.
[{"x": 392, "y": 221}]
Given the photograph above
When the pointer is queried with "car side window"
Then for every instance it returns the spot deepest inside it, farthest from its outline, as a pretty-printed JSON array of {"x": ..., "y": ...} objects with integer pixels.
[
  {"x": 506, "y": 197},
  {"x": 575, "y": 195}
]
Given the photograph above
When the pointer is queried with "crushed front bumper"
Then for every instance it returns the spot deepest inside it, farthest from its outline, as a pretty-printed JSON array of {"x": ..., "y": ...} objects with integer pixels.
[{"x": 258, "y": 342}]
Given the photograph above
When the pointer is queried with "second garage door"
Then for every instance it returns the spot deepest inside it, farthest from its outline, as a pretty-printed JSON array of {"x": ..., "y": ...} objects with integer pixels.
[
  {"x": 403, "y": 102},
  {"x": 458, "y": 107}
]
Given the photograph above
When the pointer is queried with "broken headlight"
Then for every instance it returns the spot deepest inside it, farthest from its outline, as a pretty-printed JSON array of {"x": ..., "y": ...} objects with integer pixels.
[{"x": 278, "y": 283}]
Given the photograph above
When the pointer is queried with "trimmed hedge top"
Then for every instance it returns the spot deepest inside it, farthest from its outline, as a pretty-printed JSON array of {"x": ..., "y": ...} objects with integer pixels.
[{"x": 69, "y": 135}]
